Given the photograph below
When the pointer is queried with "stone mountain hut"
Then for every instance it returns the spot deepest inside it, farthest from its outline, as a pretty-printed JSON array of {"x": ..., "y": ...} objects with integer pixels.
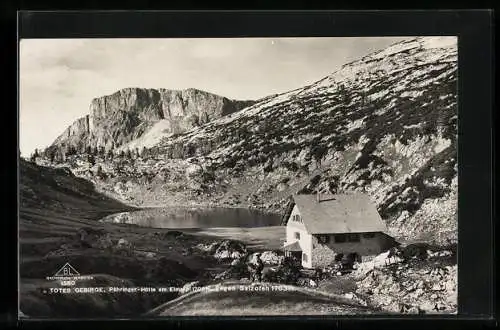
[{"x": 321, "y": 229}]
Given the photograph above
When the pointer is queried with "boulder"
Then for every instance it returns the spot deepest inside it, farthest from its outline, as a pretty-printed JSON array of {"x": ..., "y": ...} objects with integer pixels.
[
  {"x": 92, "y": 237},
  {"x": 123, "y": 245},
  {"x": 237, "y": 270},
  {"x": 271, "y": 258},
  {"x": 230, "y": 249},
  {"x": 104, "y": 242},
  {"x": 349, "y": 295},
  {"x": 281, "y": 186},
  {"x": 301, "y": 281},
  {"x": 150, "y": 255},
  {"x": 120, "y": 188},
  {"x": 208, "y": 248}
]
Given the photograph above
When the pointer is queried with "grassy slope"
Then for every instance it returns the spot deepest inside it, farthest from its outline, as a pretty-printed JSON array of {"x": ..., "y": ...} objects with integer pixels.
[
  {"x": 55, "y": 197},
  {"x": 53, "y": 205},
  {"x": 292, "y": 301}
]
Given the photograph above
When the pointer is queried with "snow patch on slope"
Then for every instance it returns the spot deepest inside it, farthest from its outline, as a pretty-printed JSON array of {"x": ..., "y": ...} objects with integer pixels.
[{"x": 152, "y": 137}]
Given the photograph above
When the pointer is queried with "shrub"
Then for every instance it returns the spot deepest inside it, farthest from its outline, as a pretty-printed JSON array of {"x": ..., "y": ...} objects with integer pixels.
[{"x": 287, "y": 273}]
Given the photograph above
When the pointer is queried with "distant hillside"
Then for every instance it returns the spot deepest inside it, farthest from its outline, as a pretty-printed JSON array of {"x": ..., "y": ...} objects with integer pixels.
[{"x": 60, "y": 191}]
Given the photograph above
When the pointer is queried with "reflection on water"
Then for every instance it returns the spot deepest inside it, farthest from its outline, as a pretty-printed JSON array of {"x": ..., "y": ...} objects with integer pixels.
[{"x": 195, "y": 218}]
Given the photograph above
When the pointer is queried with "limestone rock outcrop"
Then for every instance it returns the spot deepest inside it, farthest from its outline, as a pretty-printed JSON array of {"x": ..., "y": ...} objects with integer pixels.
[{"x": 127, "y": 114}]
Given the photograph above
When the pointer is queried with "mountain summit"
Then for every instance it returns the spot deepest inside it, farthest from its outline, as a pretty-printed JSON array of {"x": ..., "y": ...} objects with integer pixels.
[{"x": 127, "y": 114}]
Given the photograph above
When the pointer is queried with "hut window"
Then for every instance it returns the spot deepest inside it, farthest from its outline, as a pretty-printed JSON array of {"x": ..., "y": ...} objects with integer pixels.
[
  {"x": 304, "y": 257},
  {"x": 297, "y": 235},
  {"x": 296, "y": 217},
  {"x": 353, "y": 237},
  {"x": 368, "y": 235},
  {"x": 324, "y": 239},
  {"x": 339, "y": 238}
]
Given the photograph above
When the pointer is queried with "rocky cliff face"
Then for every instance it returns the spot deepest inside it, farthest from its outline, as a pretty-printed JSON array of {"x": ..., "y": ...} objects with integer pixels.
[{"x": 127, "y": 114}]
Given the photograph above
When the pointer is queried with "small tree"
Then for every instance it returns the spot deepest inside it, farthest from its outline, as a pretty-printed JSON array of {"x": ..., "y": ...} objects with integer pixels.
[
  {"x": 91, "y": 159},
  {"x": 52, "y": 155},
  {"x": 122, "y": 154},
  {"x": 101, "y": 152},
  {"x": 34, "y": 155},
  {"x": 194, "y": 120},
  {"x": 100, "y": 172},
  {"x": 70, "y": 151},
  {"x": 59, "y": 156},
  {"x": 189, "y": 151},
  {"x": 344, "y": 95},
  {"x": 128, "y": 154},
  {"x": 110, "y": 154},
  {"x": 318, "y": 152},
  {"x": 62, "y": 152}
]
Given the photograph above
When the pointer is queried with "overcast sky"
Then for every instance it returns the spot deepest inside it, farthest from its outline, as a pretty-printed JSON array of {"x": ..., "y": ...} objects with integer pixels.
[{"x": 59, "y": 78}]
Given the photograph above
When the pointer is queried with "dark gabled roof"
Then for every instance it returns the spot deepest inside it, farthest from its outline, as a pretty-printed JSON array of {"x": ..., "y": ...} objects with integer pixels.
[
  {"x": 342, "y": 213},
  {"x": 288, "y": 211},
  {"x": 295, "y": 246}
]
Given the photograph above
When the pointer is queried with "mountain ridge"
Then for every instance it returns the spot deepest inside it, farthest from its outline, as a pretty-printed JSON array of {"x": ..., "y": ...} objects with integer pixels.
[{"x": 118, "y": 118}]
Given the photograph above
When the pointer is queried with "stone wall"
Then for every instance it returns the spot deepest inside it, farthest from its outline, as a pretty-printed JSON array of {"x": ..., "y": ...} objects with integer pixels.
[{"x": 324, "y": 254}]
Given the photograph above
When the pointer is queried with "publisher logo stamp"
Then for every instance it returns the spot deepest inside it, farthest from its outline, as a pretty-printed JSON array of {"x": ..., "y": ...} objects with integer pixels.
[
  {"x": 67, "y": 270},
  {"x": 67, "y": 275}
]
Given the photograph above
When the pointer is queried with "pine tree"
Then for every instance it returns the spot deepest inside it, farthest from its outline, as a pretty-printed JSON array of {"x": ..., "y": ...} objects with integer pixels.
[
  {"x": 99, "y": 172},
  {"x": 34, "y": 155},
  {"x": 59, "y": 155},
  {"x": 189, "y": 151},
  {"x": 101, "y": 151},
  {"x": 91, "y": 159},
  {"x": 52, "y": 155}
]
